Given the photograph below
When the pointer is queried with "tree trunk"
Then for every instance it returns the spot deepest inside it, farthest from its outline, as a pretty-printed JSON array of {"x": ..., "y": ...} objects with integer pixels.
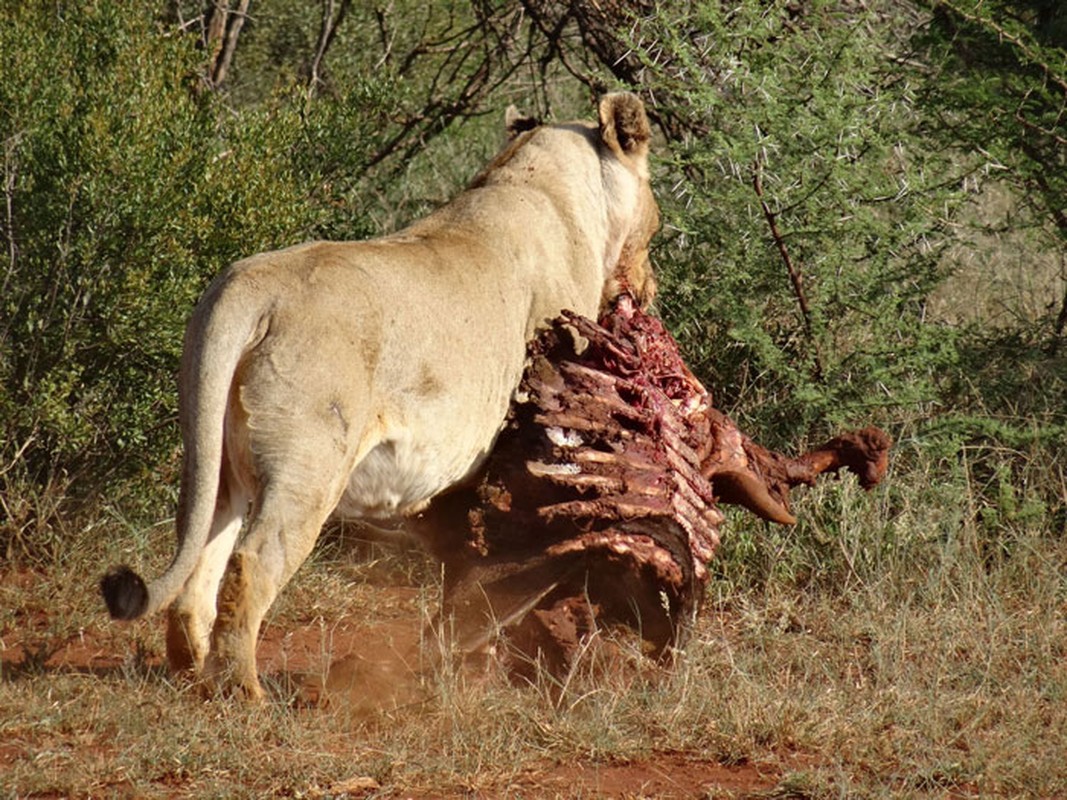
[{"x": 222, "y": 27}]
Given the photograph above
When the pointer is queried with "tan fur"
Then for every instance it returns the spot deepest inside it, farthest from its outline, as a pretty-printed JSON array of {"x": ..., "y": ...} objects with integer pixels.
[{"x": 363, "y": 378}]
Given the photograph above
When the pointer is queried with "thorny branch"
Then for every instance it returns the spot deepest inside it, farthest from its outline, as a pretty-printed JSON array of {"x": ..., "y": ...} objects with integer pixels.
[
  {"x": 796, "y": 277},
  {"x": 476, "y": 71},
  {"x": 385, "y": 35},
  {"x": 1055, "y": 78}
]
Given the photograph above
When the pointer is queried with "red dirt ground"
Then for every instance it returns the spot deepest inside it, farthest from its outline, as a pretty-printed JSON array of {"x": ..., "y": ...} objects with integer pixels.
[{"x": 381, "y": 657}]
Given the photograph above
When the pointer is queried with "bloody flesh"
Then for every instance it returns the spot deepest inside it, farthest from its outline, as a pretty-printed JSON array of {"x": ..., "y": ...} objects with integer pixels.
[{"x": 597, "y": 506}]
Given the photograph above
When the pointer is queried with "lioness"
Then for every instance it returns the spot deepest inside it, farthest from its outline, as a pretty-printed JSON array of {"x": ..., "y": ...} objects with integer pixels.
[{"x": 363, "y": 378}]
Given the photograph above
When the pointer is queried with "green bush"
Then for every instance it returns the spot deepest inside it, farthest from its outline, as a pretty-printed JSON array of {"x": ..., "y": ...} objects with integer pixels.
[{"x": 128, "y": 187}]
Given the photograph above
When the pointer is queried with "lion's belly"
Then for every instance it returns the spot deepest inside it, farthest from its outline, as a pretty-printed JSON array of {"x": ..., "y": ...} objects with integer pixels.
[
  {"x": 396, "y": 480},
  {"x": 410, "y": 465}
]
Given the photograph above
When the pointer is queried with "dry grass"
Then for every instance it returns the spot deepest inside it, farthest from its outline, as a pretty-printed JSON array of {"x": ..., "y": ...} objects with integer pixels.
[{"x": 921, "y": 665}]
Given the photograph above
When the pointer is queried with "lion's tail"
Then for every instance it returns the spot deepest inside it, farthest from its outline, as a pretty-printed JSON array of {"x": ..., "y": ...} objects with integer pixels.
[{"x": 223, "y": 328}]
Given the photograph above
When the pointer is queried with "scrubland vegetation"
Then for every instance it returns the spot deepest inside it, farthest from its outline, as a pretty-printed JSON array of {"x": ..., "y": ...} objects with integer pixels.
[{"x": 865, "y": 221}]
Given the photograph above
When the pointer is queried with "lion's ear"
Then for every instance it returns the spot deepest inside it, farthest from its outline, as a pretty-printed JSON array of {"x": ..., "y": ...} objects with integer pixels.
[
  {"x": 517, "y": 122},
  {"x": 624, "y": 125}
]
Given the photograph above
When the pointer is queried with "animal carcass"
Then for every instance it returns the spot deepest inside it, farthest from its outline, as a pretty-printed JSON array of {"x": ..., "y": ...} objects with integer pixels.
[{"x": 598, "y": 504}]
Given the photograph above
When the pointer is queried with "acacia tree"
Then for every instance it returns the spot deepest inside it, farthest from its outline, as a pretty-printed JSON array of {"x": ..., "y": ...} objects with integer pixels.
[
  {"x": 820, "y": 159},
  {"x": 806, "y": 217}
]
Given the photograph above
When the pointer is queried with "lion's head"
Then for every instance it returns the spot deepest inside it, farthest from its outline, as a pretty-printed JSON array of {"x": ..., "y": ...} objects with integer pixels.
[
  {"x": 625, "y": 131},
  {"x": 621, "y": 139}
]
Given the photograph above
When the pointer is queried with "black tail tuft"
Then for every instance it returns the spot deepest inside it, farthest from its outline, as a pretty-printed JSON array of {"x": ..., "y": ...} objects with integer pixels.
[{"x": 124, "y": 592}]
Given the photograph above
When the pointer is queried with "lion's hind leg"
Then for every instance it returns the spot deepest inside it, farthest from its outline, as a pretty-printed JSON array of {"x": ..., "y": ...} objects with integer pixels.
[
  {"x": 192, "y": 614},
  {"x": 280, "y": 537}
]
